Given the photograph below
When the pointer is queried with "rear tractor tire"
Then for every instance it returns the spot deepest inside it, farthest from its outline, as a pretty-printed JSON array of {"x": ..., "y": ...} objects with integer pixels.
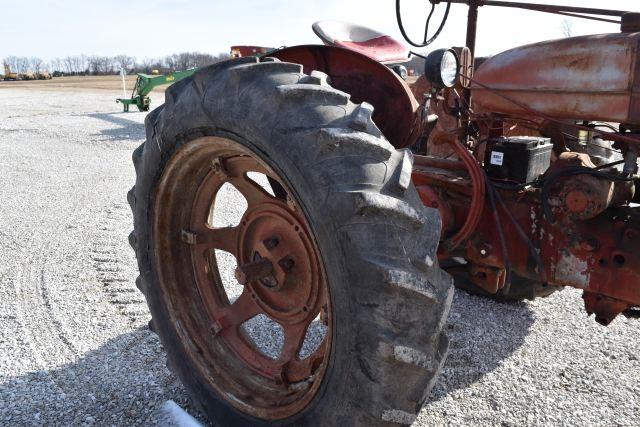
[{"x": 341, "y": 243}]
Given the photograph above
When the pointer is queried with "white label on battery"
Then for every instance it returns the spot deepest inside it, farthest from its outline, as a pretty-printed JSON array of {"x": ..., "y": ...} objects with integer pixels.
[{"x": 497, "y": 158}]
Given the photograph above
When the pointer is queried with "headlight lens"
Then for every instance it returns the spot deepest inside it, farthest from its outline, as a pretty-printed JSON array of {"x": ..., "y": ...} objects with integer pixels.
[
  {"x": 449, "y": 69},
  {"x": 441, "y": 68}
]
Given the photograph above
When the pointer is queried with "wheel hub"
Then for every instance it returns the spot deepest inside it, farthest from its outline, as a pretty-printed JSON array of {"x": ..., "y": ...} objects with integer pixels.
[{"x": 277, "y": 250}]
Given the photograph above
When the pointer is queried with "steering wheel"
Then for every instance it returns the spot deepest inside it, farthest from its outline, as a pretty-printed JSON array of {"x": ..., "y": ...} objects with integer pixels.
[{"x": 426, "y": 41}]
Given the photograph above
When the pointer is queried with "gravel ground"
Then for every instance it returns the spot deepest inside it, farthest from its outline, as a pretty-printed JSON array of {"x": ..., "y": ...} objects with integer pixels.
[{"x": 74, "y": 344}]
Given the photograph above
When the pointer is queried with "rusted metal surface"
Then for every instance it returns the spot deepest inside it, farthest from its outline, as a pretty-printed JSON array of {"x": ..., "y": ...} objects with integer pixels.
[
  {"x": 279, "y": 266},
  {"x": 472, "y": 28},
  {"x": 439, "y": 162},
  {"x": 575, "y": 229},
  {"x": 365, "y": 80},
  {"x": 605, "y": 308},
  {"x": 255, "y": 271},
  {"x": 477, "y": 202},
  {"x": 431, "y": 197},
  {"x": 420, "y": 88},
  {"x": 277, "y": 262},
  {"x": 463, "y": 176},
  {"x": 600, "y": 256},
  {"x": 581, "y": 197},
  {"x": 491, "y": 279},
  {"x": 241, "y": 51},
  {"x": 472, "y": 24},
  {"x": 580, "y": 78},
  {"x": 571, "y": 231},
  {"x": 550, "y": 8},
  {"x": 440, "y": 179}
]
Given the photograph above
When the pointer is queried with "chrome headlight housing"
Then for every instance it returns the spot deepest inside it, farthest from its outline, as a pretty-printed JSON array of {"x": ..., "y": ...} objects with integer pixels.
[{"x": 442, "y": 68}]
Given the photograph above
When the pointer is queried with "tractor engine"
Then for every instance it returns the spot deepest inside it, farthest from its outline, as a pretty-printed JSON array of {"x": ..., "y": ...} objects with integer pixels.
[{"x": 533, "y": 166}]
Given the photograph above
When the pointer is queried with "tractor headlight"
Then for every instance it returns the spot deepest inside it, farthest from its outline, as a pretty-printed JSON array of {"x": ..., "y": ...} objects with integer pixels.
[{"x": 442, "y": 68}]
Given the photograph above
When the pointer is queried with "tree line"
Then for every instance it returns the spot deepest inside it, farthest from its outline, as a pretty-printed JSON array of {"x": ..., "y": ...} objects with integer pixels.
[{"x": 96, "y": 65}]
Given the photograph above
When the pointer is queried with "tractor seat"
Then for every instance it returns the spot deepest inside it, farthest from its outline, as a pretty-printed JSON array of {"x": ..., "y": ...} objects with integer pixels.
[{"x": 366, "y": 41}]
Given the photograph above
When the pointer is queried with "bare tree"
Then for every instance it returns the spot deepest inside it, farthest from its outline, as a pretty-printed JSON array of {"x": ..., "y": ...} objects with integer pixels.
[
  {"x": 22, "y": 65},
  {"x": 36, "y": 64},
  {"x": 67, "y": 64},
  {"x": 221, "y": 57},
  {"x": 187, "y": 60},
  {"x": 55, "y": 64},
  {"x": 80, "y": 64},
  {"x": 125, "y": 61},
  {"x": 103, "y": 65},
  {"x": 74, "y": 65},
  {"x": 147, "y": 65},
  {"x": 567, "y": 28},
  {"x": 92, "y": 64},
  {"x": 11, "y": 62},
  {"x": 171, "y": 61},
  {"x": 205, "y": 59}
]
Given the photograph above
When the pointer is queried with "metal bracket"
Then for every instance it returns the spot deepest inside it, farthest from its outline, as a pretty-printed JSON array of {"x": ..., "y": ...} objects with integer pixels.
[
  {"x": 218, "y": 167},
  {"x": 189, "y": 238}
]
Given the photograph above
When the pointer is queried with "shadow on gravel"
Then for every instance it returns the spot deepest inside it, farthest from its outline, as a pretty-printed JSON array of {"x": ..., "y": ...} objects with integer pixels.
[
  {"x": 124, "y": 382},
  {"x": 126, "y": 128},
  {"x": 483, "y": 333}
]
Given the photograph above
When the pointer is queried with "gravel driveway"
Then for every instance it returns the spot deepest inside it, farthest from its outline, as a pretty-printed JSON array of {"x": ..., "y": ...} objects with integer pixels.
[{"x": 74, "y": 344}]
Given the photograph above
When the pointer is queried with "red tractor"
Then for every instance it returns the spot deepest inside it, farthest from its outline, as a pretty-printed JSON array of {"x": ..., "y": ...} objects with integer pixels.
[{"x": 515, "y": 174}]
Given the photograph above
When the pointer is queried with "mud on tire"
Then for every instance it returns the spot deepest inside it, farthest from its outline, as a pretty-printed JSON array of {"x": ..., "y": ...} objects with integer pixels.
[{"x": 377, "y": 241}]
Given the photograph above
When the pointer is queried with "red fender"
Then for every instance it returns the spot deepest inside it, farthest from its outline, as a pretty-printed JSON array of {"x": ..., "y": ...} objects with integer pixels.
[{"x": 365, "y": 80}]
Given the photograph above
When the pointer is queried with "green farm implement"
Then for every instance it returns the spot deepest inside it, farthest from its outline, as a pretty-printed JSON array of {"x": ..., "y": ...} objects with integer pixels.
[{"x": 146, "y": 83}]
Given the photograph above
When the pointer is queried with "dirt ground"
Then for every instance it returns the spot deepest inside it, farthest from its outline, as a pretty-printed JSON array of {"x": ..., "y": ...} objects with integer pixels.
[{"x": 90, "y": 83}]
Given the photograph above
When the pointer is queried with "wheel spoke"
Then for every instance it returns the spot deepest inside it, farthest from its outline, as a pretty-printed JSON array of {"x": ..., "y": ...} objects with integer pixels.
[
  {"x": 225, "y": 238},
  {"x": 300, "y": 370},
  {"x": 293, "y": 339},
  {"x": 243, "y": 309},
  {"x": 251, "y": 191}
]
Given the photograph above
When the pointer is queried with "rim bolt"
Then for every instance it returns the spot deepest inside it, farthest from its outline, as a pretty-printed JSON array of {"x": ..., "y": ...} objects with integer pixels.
[
  {"x": 217, "y": 165},
  {"x": 271, "y": 242},
  {"x": 291, "y": 203},
  {"x": 324, "y": 315},
  {"x": 216, "y": 327},
  {"x": 254, "y": 271},
  {"x": 287, "y": 263}
]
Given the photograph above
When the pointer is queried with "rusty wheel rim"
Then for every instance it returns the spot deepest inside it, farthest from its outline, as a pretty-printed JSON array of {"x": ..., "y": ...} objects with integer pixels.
[{"x": 279, "y": 266}]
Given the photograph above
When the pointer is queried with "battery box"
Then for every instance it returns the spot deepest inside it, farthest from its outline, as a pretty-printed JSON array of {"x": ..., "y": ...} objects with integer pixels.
[{"x": 517, "y": 158}]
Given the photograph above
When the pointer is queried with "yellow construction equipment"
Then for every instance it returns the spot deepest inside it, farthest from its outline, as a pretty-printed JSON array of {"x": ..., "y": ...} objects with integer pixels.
[
  {"x": 29, "y": 75},
  {"x": 9, "y": 75}
]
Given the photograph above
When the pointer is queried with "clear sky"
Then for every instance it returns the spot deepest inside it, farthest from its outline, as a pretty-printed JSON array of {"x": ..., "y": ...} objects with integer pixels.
[{"x": 153, "y": 28}]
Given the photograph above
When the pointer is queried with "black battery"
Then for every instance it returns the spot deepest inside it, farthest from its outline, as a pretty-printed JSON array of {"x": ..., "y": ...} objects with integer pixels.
[{"x": 517, "y": 158}]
